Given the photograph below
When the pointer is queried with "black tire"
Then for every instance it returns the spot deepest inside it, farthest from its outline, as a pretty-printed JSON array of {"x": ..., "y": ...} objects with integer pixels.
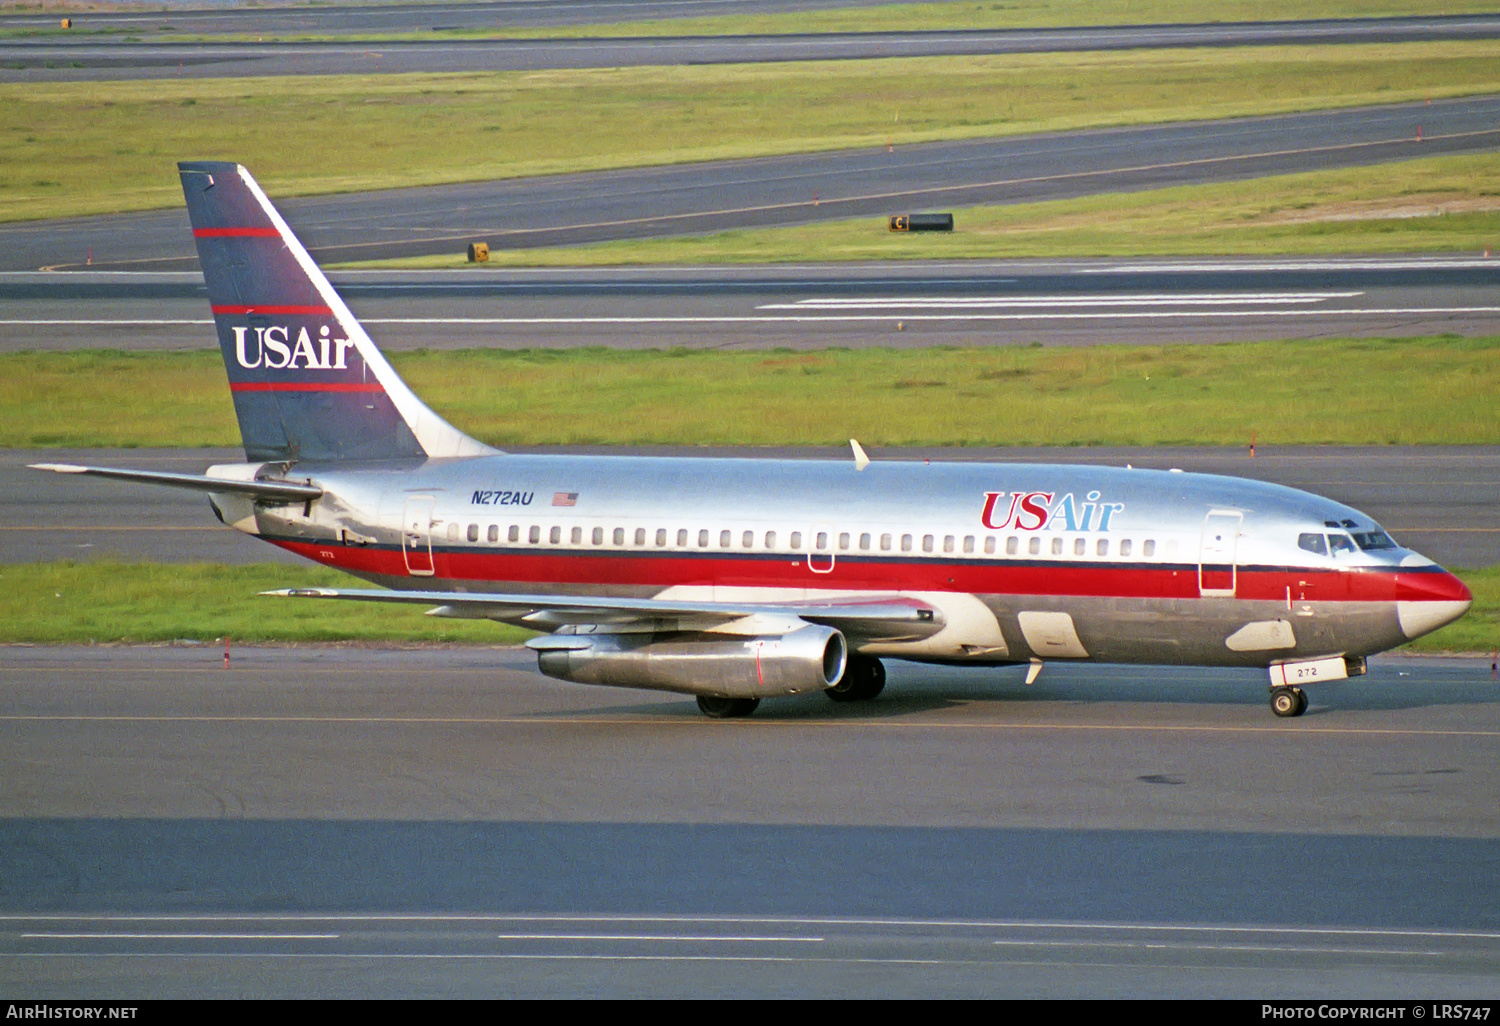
[
  {"x": 863, "y": 679},
  {"x": 717, "y": 708},
  {"x": 1287, "y": 702}
]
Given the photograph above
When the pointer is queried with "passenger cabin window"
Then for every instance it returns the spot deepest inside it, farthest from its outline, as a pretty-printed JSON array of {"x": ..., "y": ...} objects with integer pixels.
[
  {"x": 822, "y": 540},
  {"x": 640, "y": 536},
  {"x": 473, "y": 532},
  {"x": 514, "y": 534},
  {"x": 723, "y": 539},
  {"x": 989, "y": 545},
  {"x": 535, "y": 534},
  {"x": 682, "y": 538},
  {"x": 947, "y": 543},
  {"x": 926, "y": 543},
  {"x": 885, "y": 543},
  {"x": 1057, "y": 546},
  {"x": 703, "y": 538},
  {"x": 770, "y": 539},
  {"x": 1125, "y": 546},
  {"x": 619, "y": 536},
  {"x": 1012, "y": 545},
  {"x": 1103, "y": 547},
  {"x": 1035, "y": 546},
  {"x": 1148, "y": 548},
  {"x": 1080, "y": 546},
  {"x": 576, "y": 536},
  {"x": 661, "y": 537},
  {"x": 1313, "y": 543},
  {"x": 554, "y": 536},
  {"x": 843, "y": 540},
  {"x": 906, "y": 543},
  {"x": 864, "y": 542},
  {"x": 796, "y": 539},
  {"x": 494, "y": 533},
  {"x": 598, "y": 536},
  {"x": 747, "y": 540},
  {"x": 969, "y": 543}
]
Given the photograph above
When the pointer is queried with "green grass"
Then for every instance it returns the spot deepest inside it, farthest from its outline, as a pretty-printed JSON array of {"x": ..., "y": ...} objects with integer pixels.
[
  {"x": 1439, "y": 204},
  {"x": 1349, "y": 392},
  {"x": 350, "y": 132},
  {"x": 67, "y": 603},
  {"x": 86, "y": 603}
]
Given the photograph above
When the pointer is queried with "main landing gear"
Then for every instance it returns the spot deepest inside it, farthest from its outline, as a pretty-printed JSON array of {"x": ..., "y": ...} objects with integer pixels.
[
  {"x": 718, "y": 708},
  {"x": 1288, "y": 701},
  {"x": 863, "y": 679}
]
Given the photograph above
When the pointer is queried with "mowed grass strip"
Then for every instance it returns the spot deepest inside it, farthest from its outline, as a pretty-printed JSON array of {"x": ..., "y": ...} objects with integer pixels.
[
  {"x": 85, "y": 603},
  {"x": 1349, "y": 392},
  {"x": 106, "y": 602},
  {"x": 321, "y": 134},
  {"x": 1433, "y": 205}
]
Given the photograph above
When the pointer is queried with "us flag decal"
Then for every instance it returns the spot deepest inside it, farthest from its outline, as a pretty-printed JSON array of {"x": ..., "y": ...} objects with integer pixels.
[{"x": 564, "y": 498}]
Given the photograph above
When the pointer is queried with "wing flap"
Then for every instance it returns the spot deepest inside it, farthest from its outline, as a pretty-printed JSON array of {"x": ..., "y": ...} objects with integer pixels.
[{"x": 887, "y": 618}]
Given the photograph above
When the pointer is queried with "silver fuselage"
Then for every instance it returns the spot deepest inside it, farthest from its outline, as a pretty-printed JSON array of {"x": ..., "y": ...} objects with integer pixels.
[{"x": 1023, "y": 561}]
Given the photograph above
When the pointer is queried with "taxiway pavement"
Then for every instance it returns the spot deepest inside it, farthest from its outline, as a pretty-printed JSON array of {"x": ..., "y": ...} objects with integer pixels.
[
  {"x": 794, "y": 189},
  {"x": 329, "y": 822}
]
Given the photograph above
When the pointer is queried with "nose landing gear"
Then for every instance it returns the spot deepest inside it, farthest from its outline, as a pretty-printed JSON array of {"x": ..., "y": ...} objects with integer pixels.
[{"x": 1288, "y": 701}]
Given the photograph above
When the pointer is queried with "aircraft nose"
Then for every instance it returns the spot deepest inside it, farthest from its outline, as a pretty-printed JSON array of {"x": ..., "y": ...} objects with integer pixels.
[{"x": 1431, "y": 600}]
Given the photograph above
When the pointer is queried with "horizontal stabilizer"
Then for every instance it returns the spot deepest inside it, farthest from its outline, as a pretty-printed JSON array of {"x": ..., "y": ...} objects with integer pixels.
[
  {"x": 287, "y": 491},
  {"x": 889, "y": 618}
]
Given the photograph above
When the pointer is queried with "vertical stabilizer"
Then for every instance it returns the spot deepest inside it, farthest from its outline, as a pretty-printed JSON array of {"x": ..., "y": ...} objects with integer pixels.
[{"x": 308, "y": 383}]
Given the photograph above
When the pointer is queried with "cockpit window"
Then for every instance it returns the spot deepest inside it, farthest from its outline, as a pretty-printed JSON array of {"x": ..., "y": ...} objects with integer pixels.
[
  {"x": 1371, "y": 540},
  {"x": 1313, "y": 543},
  {"x": 1340, "y": 543}
]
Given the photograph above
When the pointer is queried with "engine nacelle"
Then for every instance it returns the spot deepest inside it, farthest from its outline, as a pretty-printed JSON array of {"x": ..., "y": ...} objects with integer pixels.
[{"x": 811, "y": 658}]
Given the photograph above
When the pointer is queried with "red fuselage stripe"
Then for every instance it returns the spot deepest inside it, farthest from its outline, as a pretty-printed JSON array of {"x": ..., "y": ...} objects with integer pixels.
[
  {"x": 236, "y": 233},
  {"x": 1086, "y": 580},
  {"x": 292, "y": 311},
  {"x": 304, "y": 386}
]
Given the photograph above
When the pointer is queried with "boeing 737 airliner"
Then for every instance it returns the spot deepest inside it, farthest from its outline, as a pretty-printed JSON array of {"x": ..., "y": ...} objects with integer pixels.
[{"x": 738, "y": 580}]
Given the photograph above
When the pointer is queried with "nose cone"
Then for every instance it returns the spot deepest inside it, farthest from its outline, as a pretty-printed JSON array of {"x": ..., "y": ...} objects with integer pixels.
[{"x": 1431, "y": 601}]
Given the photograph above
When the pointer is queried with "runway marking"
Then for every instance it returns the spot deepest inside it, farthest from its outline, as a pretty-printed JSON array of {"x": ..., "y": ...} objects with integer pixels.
[
  {"x": 974, "y": 302},
  {"x": 1280, "y": 949},
  {"x": 955, "y": 316},
  {"x": 656, "y": 937},
  {"x": 179, "y": 936},
  {"x": 1276, "y": 729},
  {"x": 100, "y": 321},
  {"x": 771, "y": 920}
]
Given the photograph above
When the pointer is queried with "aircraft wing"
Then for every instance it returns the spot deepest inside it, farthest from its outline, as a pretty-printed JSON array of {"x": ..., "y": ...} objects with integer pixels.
[
  {"x": 270, "y": 490},
  {"x": 882, "y": 617}
]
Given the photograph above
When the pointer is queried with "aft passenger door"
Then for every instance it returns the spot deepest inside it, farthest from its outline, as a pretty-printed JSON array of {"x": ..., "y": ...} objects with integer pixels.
[
  {"x": 1216, "y": 560},
  {"x": 416, "y": 535}
]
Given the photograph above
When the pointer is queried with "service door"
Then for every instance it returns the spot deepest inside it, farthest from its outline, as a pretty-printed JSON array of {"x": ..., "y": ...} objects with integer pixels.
[
  {"x": 1216, "y": 562},
  {"x": 416, "y": 535},
  {"x": 820, "y": 552}
]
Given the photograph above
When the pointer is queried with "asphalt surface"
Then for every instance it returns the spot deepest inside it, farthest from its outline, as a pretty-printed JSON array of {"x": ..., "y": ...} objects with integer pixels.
[
  {"x": 322, "y": 822},
  {"x": 47, "y": 59},
  {"x": 915, "y": 305},
  {"x": 340, "y": 18},
  {"x": 794, "y": 189},
  {"x": 1443, "y": 501}
]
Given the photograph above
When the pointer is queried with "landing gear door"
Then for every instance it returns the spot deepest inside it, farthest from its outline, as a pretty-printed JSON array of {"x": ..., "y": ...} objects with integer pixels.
[
  {"x": 1216, "y": 562},
  {"x": 416, "y": 535}
]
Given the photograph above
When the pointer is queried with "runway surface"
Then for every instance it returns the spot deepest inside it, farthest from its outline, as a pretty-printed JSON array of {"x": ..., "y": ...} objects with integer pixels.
[
  {"x": 1444, "y": 501},
  {"x": 324, "y": 822},
  {"x": 910, "y": 305},
  {"x": 794, "y": 189},
  {"x": 46, "y": 59}
]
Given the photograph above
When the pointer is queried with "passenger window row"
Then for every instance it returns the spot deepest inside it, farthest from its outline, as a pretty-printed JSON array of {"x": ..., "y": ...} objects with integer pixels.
[{"x": 846, "y": 541}]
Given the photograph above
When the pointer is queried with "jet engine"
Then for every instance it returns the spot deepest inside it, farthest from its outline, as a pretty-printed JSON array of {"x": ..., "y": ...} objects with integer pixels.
[{"x": 810, "y": 658}]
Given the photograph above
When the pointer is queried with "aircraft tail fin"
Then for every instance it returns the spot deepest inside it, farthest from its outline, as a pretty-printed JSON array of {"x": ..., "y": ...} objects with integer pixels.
[{"x": 308, "y": 383}]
